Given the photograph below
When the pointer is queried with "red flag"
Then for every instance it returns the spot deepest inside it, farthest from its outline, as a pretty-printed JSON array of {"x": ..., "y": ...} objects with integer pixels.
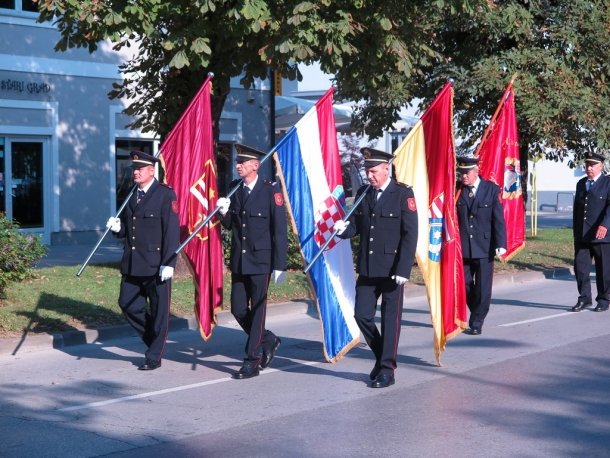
[
  {"x": 426, "y": 161},
  {"x": 499, "y": 162},
  {"x": 188, "y": 156}
]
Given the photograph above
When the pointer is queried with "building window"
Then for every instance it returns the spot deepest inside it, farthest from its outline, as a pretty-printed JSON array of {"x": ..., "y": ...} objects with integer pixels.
[
  {"x": 20, "y": 5},
  {"x": 124, "y": 181}
]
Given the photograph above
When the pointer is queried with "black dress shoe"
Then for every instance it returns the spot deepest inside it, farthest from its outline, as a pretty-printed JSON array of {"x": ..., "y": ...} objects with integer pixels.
[
  {"x": 473, "y": 332},
  {"x": 601, "y": 308},
  {"x": 268, "y": 355},
  {"x": 149, "y": 365},
  {"x": 246, "y": 371},
  {"x": 580, "y": 305},
  {"x": 375, "y": 372},
  {"x": 383, "y": 381}
]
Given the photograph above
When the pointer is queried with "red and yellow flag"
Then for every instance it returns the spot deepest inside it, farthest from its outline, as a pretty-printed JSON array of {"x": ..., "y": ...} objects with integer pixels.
[
  {"x": 499, "y": 162},
  {"x": 426, "y": 161},
  {"x": 188, "y": 156}
]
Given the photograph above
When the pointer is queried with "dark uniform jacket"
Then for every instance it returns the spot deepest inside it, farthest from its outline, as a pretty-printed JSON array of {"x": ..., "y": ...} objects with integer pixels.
[
  {"x": 151, "y": 231},
  {"x": 388, "y": 231},
  {"x": 481, "y": 221},
  {"x": 259, "y": 242},
  {"x": 591, "y": 210}
]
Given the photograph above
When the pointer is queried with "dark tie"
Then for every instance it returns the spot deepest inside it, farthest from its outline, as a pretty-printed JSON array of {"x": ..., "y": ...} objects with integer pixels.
[
  {"x": 378, "y": 194},
  {"x": 140, "y": 196},
  {"x": 589, "y": 184},
  {"x": 245, "y": 193},
  {"x": 470, "y": 193}
]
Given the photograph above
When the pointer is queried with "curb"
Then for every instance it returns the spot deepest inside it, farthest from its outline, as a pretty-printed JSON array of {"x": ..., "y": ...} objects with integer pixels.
[{"x": 28, "y": 343}]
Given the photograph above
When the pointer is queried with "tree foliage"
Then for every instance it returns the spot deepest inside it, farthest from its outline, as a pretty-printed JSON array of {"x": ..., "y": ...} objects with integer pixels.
[
  {"x": 383, "y": 53},
  {"x": 560, "y": 54}
]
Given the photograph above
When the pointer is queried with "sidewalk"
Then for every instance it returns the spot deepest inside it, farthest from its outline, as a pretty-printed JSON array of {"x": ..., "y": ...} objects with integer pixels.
[
  {"x": 75, "y": 255},
  {"x": 66, "y": 255}
]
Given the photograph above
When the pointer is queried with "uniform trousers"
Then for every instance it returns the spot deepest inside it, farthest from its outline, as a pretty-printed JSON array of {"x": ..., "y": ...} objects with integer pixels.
[
  {"x": 249, "y": 307},
  {"x": 583, "y": 254},
  {"x": 384, "y": 344},
  {"x": 145, "y": 303},
  {"x": 478, "y": 276}
]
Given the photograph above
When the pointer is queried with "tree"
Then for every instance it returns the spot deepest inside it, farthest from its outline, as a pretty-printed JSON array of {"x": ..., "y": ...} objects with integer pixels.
[
  {"x": 383, "y": 54},
  {"x": 373, "y": 51},
  {"x": 559, "y": 50}
]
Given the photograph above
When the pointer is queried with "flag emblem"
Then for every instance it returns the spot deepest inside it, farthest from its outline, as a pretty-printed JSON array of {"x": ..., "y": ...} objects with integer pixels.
[
  {"x": 279, "y": 199},
  {"x": 329, "y": 212}
]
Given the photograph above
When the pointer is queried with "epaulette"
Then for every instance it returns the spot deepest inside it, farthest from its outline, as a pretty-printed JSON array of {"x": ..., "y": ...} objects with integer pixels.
[
  {"x": 165, "y": 185},
  {"x": 404, "y": 185},
  {"x": 269, "y": 182}
]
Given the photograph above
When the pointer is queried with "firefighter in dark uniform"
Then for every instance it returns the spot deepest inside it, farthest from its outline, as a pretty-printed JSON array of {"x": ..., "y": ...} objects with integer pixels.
[
  {"x": 256, "y": 215},
  {"x": 386, "y": 221},
  {"x": 483, "y": 236},
  {"x": 150, "y": 227},
  {"x": 591, "y": 220}
]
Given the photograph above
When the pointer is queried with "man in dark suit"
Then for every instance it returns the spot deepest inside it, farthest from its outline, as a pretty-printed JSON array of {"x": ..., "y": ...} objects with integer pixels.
[
  {"x": 386, "y": 221},
  {"x": 256, "y": 215},
  {"x": 591, "y": 220},
  {"x": 150, "y": 227},
  {"x": 483, "y": 235}
]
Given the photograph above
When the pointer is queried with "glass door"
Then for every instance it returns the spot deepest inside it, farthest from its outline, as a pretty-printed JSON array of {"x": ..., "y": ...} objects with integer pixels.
[{"x": 21, "y": 181}]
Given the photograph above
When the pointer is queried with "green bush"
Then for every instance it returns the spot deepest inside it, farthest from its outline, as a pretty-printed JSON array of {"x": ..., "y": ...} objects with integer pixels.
[{"x": 19, "y": 253}]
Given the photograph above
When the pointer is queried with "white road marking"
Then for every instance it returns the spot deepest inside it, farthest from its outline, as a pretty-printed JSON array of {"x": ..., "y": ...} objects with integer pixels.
[
  {"x": 91, "y": 405},
  {"x": 516, "y": 323}
]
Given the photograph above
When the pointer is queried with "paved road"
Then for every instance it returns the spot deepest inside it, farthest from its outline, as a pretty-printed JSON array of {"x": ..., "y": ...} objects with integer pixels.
[{"x": 535, "y": 384}]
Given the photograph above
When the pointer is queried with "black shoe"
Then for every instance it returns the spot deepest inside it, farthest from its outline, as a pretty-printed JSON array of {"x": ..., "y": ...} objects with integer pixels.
[
  {"x": 150, "y": 365},
  {"x": 601, "y": 308},
  {"x": 383, "y": 381},
  {"x": 270, "y": 354},
  {"x": 580, "y": 305},
  {"x": 246, "y": 371},
  {"x": 473, "y": 332},
  {"x": 375, "y": 372}
]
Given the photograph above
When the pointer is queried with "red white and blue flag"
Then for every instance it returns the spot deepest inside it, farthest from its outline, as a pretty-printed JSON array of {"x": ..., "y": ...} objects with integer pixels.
[{"x": 309, "y": 167}]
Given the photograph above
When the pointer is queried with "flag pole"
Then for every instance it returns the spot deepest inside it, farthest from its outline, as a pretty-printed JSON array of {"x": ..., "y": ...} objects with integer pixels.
[
  {"x": 492, "y": 123},
  {"x": 209, "y": 77},
  {"x": 118, "y": 213},
  {"x": 211, "y": 215},
  {"x": 323, "y": 247},
  {"x": 352, "y": 210}
]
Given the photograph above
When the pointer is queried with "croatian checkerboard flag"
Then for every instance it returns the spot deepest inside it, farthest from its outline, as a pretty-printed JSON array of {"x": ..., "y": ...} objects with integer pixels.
[{"x": 309, "y": 167}]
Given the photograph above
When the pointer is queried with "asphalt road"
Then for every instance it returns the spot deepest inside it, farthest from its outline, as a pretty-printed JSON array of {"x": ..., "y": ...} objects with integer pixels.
[{"x": 535, "y": 384}]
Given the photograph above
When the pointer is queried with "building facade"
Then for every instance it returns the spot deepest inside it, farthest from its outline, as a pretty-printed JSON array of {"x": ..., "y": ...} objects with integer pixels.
[{"x": 64, "y": 145}]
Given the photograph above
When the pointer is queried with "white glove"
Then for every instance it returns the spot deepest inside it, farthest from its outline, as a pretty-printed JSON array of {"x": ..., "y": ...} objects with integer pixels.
[
  {"x": 340, "y": 226},
  {"x": 399, "y": 280},
  {"x": 223, "y": 205},
  {"x": 500, "y": 251},
  {"x": 279, "y": 277},
  {"x": 114, "y": 224},
  {"x": 166, "y": 272}
]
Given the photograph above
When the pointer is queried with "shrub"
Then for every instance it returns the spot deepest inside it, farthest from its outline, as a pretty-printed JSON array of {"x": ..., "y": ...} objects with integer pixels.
[{"x": 19, "y": 253}]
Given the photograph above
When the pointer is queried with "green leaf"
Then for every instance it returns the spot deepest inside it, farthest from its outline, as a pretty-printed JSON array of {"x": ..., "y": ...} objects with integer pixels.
[
  {"x": 385, "y": 24},
  {"x": 179, "y": 60},
  {"x": 200, "y": 46}
]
